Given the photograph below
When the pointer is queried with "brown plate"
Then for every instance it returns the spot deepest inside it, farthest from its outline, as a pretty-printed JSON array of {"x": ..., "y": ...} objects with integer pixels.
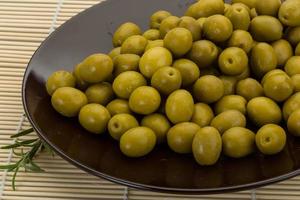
[{"x": 162, "y": 170}]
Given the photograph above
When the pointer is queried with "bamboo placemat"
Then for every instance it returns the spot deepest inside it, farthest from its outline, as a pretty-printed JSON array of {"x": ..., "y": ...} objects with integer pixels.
[{"x": 24, "y": 24}]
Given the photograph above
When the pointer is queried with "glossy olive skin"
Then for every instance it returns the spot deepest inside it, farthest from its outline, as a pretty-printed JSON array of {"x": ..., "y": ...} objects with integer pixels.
[
  {"x": 228, "y": 119},
  {"x": 296, "y": 82},
  {"x": 144, "y": 100},
  {"x": 114, "y": 52},
  {"x": 283, "y": 51},
  {"x": 125, "y": 83},
  {"x": 189, "y": 71},
  {"x": 137, "y": 142},
  {"x": 263, "y": 59},
  {"x": 238, "y": 142},
  {"x": 96, "y": 68},
  {"x": 229, "y": 83},
  {"x": 289, "y": 13},
  {"x": 101, "y": 93},
  {"x": 153, "y": 59},
  {"x": 166, "y": 80},
  {"x": 126, "y": 62},
  {"x": 179, "y": 41},
  {"x": 233, "y": 61},
  {"x": 272, "y": 73},
  {"x": 231, "y": 102},
  {"x": 202, "y": 115},
  {"x": 293, "y": 123},
  {"x": 124, "y": 31},
  {"x": 179, "y": 106},
  {"x": 270, "y": 139},
  {"x": 157, "y": 17},
  {"x": 192, "y": 25},
  {"x": 118, "y": 106},
  {"x": 59, "y": 79},
  {"x": 241, "y": 39},
  {"x": 152, "y": 34},
  {"x": 154, "y": 43},
  {"x": 68, "y": 101},
  {"x": 263, "y": 110},
  {"x": 204, "y": 53},
  {"x": 207, "y": 146},
  {"x": 291, "y": 105},
  {"x": 239, "y": 17},
  {"x": 159, "y": 124},
  {"x": 217, "y": 28},
  {"x": 249, "y": 3},
  {"x": 208, "y": 89},
  {"x": 268, "y": 7},
  {"x": 292, "y": 66},
  {"x": 180, "y": 137},
  {"x": 205, "y": 8},
  {"x": 249, "y": 88},
  {"x": 80, "y": 83},
  {"x": 293, "y": 35},
  {"x": 278, "y": 87},
  {"x": 94, "y": 118},
  {"x": 120, "y": 123},
  {"x": 297, "y": 50},
  {"x": 266, "y": 29},
  {"x": 135, "y": 44},
  {"x": 168, "y": 24}
]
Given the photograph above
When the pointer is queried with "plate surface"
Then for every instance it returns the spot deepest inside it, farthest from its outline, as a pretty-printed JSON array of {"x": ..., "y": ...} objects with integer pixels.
[{"x": 162, "y": 170}]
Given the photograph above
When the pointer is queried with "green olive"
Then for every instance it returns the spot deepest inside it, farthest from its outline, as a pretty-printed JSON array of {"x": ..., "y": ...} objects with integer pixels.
[
  {"x": 253, "y": 13},
  {"x": 228, "y": 119},
  {"x": 120, "y": 123},
  {"x": 271, "y": 73},
  {"x": 239, "y": 17},
  {"x": 192, "y": 25},
  {"x": 249, "y": 3},
  {"x": 201, "y": 21},
  {"x": 226, "y": 7},
  {"x": 118, "y": 106},
  {"x": 152, "y": 34},
  {"x": 180, "y": 137},
  {"x": 204, "y": 53},
  {"x": 96, "y": 68},
  {"x": 127, "y": 82},
  {"x": 233, "y": 61},
  {"x": 293, "y": 35},
  {"x": 114, "y": 52},
  {"x": 188, "y": 69},
  {"x": 59, "y": 79},
  {"x": 241, "y": 39},
  {"x": 290, "y": 105},
  {"x": 283, "y": 51},
  {"x": 207, "y": 146},
  {"x": 244, "y": 6},
  {"x": 159, "y": 124},
  {"x": 229, "y": 83},
  {"x": 179, "y": 106},
  {"x": 179, "y": 41},
  {"x": 245, "y": 74},
  {"x": 263, "y": 110},
  {"x": 289, "y": 13},
  {"x": 101, "y": 93},
  {"x": 270, "y": 139},
  {"x": 168, "y": 24},
  {"x": 153, "y": 59},
  {"x": 126, "y": 62},
  {"x": 249, "y": 88},
  {"x": 268, "y": 7},
  {"x": 135, "y": 44},
  {"x": 68, "y": 101},
  {"x": 293, "y": 123},
  {"x": 238, "y": 142},
  {"x": 205, "y": 8},
  {"x": 231, "y": 102},
  {"x": 154, "y": 43},
  {"x": 208, "y": 89},
  {"x": 158, "y": 17},
  {"x": 137, "y": 142},
  {"x": 80, "y": 83},
  {"x": 166, "y": 80},
  {"x": 292, "y": 66},
  {"x": 144, "y": 100},
  {"x": 266, "y": 28},
  {"x": 202, "y": 115},
  {"x": 297, "y": 50},
  {"x": 217, "y": 28},
  {"x": 296, "y": 82},
  {"x": 124, "y": 31},
  {"x": 94, "y": 118}
]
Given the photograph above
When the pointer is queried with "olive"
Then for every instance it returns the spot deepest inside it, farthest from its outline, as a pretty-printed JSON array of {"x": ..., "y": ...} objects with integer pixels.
[
  {"x": 192, "y": 25},
  {"x": 292, "y": 66},
  {"x": 293, "y": 35},
  {"x": 118, "y": 106},
  {"x": 114, "y": 52},
  {"x": 101, "y": 93},
  {"x": 229, "y": 83},
  {"x": 188, "y": 69},
  {"x": 297, "y": 50},
  {"x": 296, "y": 82},
  {"x": 241, "y": 39},
  {"x": 154, "y": 43},
  {"x": 226, "y": 7},
  {"x": 68, "y": 101},
  {"x": 283, "y": 51},
  {"x": 120, "y": 123},
  {"x": 157, "y": 18},
  {"x": 207, "y": 146},
  {"x": 179, "y": 106},
  {"x": 238, "y": 142},
  {"x": 180, "y": 137},
  {"x": 201, "y": 21},
  {"x": 94, "y": 118},
  {"x": 253, "y": 13},
  {"x": 135, "y": 44},
  {"x": 239, "y": 16},
  {"x": 244, "y": 6},
  {"x": 290, "y": 105},
  {"x": 271, "y": 73},
  {"x": 249, "y": 3},
  {"x": 168, "y": 24},
  {"x": 124, "y": 31},
  {"x": 289, "y": 13},
  {"x": 126, "y": 62},
  {"x": 205, "y": 8},
  {"x": 202, "y": 115},
  {"x": 59, "y": 79},
  {"x": 268, "y": 7},
  {"x": 137, "y": 142},
  {"x": 293, "y": 123},
  {"x": 231, "y": 102},
  {"x": 263, "y": 110},
  {"x": 270, "y": 139},
  {"x": 152, "y": 34},
  {"x": 81, "y": 84},
  {"x": 249, "y": 88},
  {"x": 245, "y": 74}
]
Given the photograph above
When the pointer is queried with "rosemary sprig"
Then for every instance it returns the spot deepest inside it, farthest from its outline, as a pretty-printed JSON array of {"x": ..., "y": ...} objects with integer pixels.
[{"x": 26, "y": 156}]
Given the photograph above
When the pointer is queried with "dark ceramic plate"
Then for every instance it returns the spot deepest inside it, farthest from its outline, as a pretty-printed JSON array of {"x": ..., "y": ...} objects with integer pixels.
[{"x": 162, "y": 170}]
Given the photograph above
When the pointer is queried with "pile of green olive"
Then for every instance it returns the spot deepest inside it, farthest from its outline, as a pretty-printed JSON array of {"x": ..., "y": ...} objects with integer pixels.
[{"x": 194, "y": 82}]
